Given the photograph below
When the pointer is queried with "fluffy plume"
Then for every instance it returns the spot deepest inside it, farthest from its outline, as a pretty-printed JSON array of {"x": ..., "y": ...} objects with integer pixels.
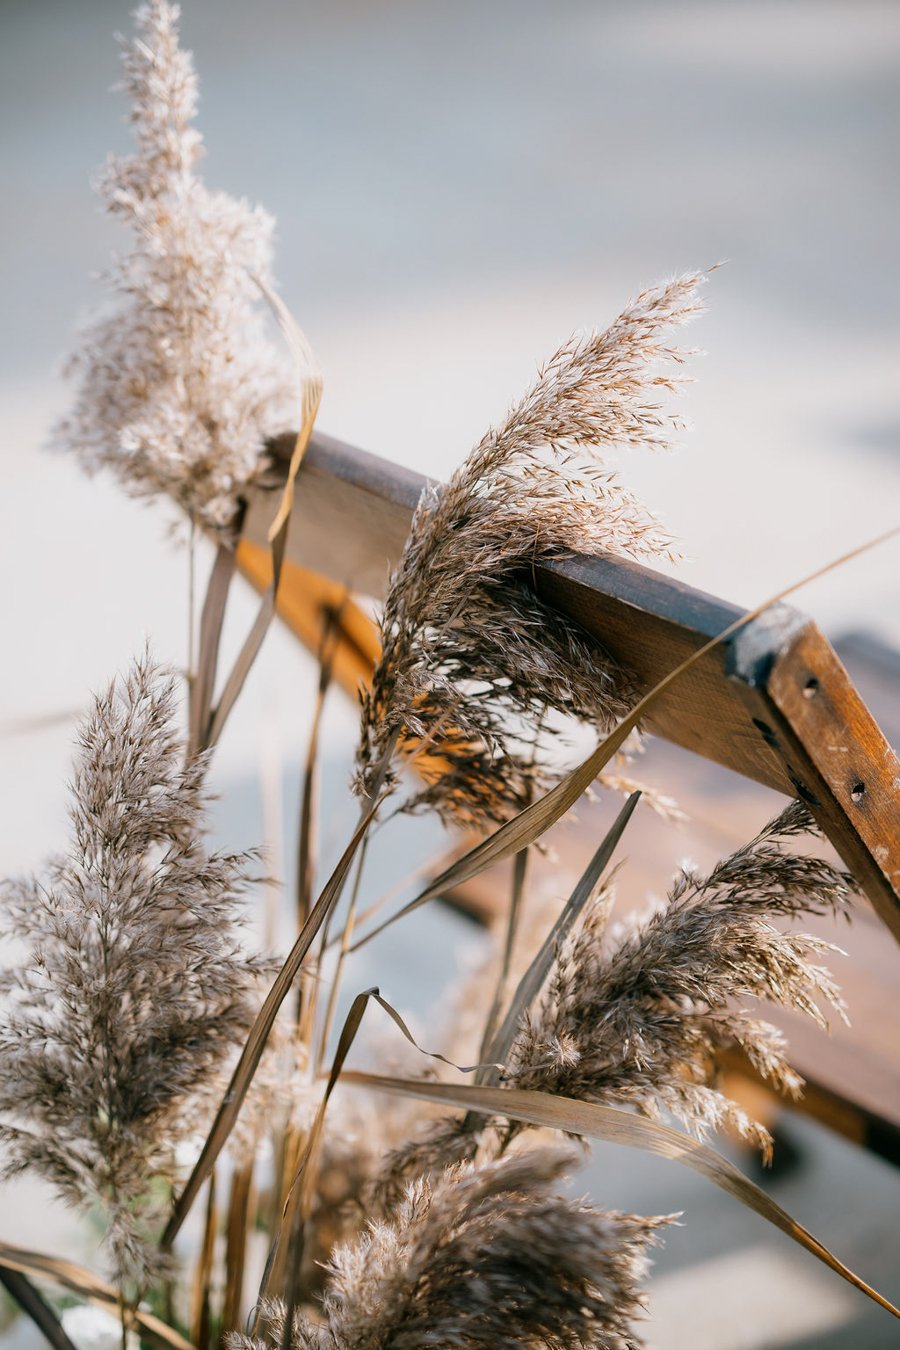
[
  {"x": 487, "y": 1256},
  {"x": 472, "y": 660},
  {"x": 133, "y": 987},
  {"x": 640, "y": 1022},
  {"x": 179, "y": 385}
]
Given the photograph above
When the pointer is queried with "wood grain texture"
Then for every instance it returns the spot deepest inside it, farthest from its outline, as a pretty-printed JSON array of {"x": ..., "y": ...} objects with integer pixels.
[
  {"x": 840, "y": 762},
  {"x": 746, "y": 705}
]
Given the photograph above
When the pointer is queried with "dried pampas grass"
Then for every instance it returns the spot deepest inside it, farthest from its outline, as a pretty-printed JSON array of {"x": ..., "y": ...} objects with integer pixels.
[
  {"x": 130, "y": 1026},
  {"x": 134, "y": 986},
  {"x": 637, "y": 1014},
  {"x": 473, "y": 664},
  {"x": 641, "y": 1020},
  {"x": 484, "y": 1256}
]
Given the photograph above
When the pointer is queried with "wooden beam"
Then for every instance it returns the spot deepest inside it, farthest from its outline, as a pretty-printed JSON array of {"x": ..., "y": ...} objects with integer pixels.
[{"x": 772, "y": 702}]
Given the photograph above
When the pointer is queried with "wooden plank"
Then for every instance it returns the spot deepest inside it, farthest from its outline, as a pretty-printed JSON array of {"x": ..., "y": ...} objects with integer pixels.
[
  {"x": 748, "y": 706},
  {"x": 773, "y": 702},
  {"x": 838, "y": 761}
]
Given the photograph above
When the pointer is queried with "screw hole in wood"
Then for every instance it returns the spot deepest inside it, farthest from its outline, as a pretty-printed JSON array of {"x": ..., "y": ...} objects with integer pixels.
[
  {"x": 811, "y": 688},
  {"x": 857, "y": 792}
]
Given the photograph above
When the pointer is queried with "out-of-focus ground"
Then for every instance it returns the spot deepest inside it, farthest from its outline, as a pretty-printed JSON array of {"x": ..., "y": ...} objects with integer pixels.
[{"x": 458, "y": 186}]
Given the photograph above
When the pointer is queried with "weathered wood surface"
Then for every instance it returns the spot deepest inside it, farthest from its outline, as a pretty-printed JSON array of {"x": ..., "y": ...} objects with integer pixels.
[{"x": 773, "y": 702}]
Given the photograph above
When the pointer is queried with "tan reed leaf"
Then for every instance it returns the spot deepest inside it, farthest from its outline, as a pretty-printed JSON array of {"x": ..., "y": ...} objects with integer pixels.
[
  {"x": 67, "y": 1275},
  {"x": 203, "y": 1272},
  {"x": 255, "y": 1043},
  {"x": 35, "y": 1306},
  {"x": 238, "y": 1226},
  {"x": 594, "y": 1121},
  {"x": 536, "y": 974},
  {"x": 310, "y": 380},
  {"x": 180, "y": 387}
]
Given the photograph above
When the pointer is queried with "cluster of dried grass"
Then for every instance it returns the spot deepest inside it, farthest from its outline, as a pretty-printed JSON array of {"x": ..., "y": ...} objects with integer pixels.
[
  {"x": 470, "y": 655},
  {"x": 134, "y": 991},
  {"x": 643, "y": 1020}
]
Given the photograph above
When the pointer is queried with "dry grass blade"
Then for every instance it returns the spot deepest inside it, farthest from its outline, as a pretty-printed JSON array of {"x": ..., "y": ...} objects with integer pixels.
[
  {"x": 534, "y": 977},
  {"x": 310, "y": 787},
  {"x": 591, "y": 1120},
  {"x": 311, "y": 397},
  {"x": 346, "y": 939},
  {"x": 240, "y": 1218},
  {"x": 404, "y": 1029},
  {"x": 35, "y": 1306},
  {"x": 297, "y": 1205},
  {"x": 348, "y": 1035},
  {"x": 307, "y": 996},
  {"x": 250, "y": 650},
  {"x": 200, "y": 1313},
  {"x": 204, "y": 678},
  {"x": 523, "y": 829},
  {"x": 80, "y": 1281},
  {"x": 300, "y": 1193},
  {"x": 259, "y": 1033},
  {"x": 520, "y": 873}
]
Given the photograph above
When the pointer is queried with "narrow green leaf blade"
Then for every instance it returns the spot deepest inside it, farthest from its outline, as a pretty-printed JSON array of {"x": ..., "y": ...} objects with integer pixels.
[{"x": 70, "y": 1276}]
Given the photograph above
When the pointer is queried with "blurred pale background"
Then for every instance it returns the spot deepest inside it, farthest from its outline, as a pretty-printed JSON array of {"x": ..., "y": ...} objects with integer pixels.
[{"x": 458, "y": 186}]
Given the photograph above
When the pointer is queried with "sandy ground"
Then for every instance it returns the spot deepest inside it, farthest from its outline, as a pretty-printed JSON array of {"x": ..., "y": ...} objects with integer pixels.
[{"x": 458, "y": 186}]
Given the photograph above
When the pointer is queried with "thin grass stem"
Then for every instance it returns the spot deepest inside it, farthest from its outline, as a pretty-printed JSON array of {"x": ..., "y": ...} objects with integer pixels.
[
  {"x": 519, "y": 877},
  {"x": 345, "y": 940}
]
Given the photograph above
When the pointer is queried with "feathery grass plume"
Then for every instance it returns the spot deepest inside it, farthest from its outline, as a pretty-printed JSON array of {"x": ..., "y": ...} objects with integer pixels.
[
  {"x": 486, "y": 1256},
  {"x": 471, "y": 659},
  {"x": 360, "y": 1131},
  {"x": 640, "y": 1021},
  {"x": 134, "y": 986},
  {"x": 179, "y": 385}
]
